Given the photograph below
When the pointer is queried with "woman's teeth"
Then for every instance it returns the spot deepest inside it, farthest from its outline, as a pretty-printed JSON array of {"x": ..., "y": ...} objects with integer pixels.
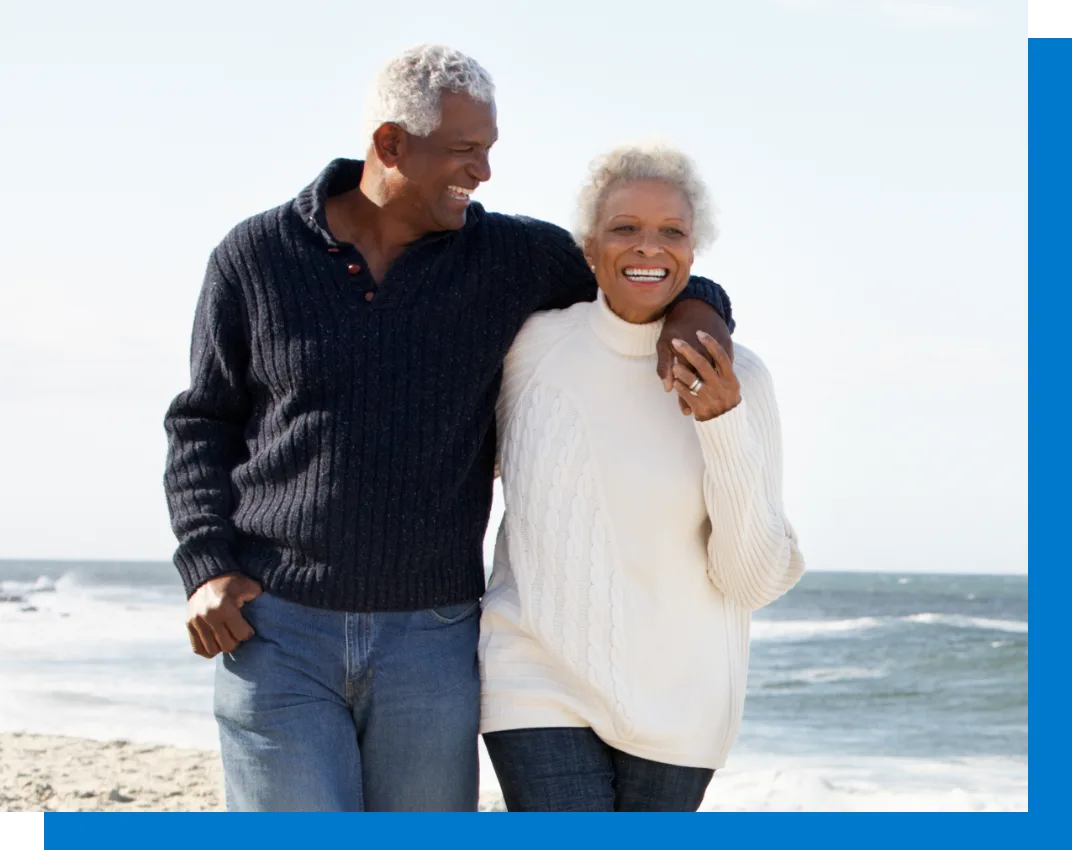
[
  {"x": 645, "y": 275},
  {"x": 459, "y": 193}
]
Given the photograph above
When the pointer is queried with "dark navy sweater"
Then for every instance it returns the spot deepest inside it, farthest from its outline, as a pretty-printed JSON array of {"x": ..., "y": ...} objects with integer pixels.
[{"x": 337, "y": 441}]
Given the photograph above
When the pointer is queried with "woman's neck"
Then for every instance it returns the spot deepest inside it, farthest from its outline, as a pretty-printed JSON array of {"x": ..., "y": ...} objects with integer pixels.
[{"x": 634, "y": 315}]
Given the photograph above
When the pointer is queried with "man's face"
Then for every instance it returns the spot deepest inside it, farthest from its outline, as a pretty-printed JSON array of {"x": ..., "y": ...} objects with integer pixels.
[{"x": 439, "y": 171}]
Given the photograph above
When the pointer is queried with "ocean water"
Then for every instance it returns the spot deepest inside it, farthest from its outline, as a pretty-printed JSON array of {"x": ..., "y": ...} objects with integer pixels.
[{"x": 866, "y": 691}]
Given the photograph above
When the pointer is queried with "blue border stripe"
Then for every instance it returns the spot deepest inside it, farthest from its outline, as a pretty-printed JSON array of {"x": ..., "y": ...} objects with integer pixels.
[
  {"x": 116, "y": 831},
  {"x": 1050, "y": 426}
]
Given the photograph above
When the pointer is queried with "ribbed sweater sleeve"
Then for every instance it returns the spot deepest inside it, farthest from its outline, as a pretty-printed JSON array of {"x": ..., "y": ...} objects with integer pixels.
[
  {"x": 753, "y": 552},
  {"x": 566, "y": 279},
  {"x": 563, "y": 277},
  {"x": 204, "y": 426}
]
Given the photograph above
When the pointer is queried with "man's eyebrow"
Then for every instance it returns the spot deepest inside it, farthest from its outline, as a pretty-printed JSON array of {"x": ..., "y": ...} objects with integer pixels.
[{"x": 463, "y": 140}]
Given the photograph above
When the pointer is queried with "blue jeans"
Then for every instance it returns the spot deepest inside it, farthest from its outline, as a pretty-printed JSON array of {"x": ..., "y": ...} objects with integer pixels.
[
  {"x": 329, "y": 711},
  {"x": 572, "y": 770}
]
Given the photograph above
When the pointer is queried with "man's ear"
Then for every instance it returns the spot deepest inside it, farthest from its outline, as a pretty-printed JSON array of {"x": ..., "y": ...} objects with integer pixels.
[{"x": 388, "y": 141}]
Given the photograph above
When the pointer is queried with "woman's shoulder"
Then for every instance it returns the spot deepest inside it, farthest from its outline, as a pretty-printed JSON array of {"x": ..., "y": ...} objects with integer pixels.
[
  {"x": 538, "y": 337},
  {"x": 556, "y": 321},
  {"x": 545, "y": 329}
]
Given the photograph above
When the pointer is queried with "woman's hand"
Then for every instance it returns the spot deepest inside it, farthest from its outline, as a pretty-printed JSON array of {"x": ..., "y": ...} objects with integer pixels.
[{"x": 705, "y": 391}]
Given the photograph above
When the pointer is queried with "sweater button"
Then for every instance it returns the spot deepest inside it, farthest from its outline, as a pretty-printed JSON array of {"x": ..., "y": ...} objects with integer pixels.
[
  {"x": 353, "y": 268},
  {"x": 369, "y": 296}
]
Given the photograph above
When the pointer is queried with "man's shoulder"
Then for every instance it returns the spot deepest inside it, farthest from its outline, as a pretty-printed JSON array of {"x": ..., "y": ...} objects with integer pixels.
[
  {"x": 257, "y": 234},
  {"x": 534, "y": 228}
]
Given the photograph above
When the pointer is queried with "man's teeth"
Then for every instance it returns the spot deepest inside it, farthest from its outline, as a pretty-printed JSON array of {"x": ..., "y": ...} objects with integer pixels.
[
  {"x": 459, "y": 192},
  {"x": 646, "y": 275}
]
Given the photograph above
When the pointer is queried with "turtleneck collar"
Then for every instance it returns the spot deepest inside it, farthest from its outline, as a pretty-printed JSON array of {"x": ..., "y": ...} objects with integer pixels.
[{"x": 620, "y": 335}]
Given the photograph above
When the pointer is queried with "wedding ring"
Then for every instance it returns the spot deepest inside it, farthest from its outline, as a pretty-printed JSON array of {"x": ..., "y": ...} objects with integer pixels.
[{"x": 694, "y": 387}]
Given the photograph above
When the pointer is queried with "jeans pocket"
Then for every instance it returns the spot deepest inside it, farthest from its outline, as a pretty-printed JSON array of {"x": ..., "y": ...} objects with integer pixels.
[{"x": 449, "y": 615}]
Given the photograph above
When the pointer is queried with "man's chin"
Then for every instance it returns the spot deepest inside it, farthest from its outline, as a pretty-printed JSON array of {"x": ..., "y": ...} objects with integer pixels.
[{"x": 450, "y": 219}]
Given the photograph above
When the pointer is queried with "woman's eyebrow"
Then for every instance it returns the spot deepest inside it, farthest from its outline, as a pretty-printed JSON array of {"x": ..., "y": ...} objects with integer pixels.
[{"x": 664, "y": 221}]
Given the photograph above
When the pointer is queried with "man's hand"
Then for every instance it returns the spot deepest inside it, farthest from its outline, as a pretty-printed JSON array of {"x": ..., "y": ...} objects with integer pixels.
[
  {"x": 707, "y": 391},
  {"x": 213, "y": 619},
  {"x": 683, "y": 321}
]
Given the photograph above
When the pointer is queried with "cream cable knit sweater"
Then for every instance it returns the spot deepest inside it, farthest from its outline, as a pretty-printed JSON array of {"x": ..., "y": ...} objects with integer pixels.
[{"x": 613, "y": 604}]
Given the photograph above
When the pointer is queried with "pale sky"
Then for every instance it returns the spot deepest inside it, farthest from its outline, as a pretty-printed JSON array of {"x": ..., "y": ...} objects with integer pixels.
[{"x": 869, "y": 159}]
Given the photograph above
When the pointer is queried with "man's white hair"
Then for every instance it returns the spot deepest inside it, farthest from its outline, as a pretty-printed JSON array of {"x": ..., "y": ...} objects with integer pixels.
[
  {"x": 650, "y": 161},
  {"x": 407, "y": 89}
]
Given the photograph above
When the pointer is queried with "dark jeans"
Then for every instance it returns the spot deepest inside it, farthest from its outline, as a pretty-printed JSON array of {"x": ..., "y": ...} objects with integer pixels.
[{"x": 571, "y": 770}]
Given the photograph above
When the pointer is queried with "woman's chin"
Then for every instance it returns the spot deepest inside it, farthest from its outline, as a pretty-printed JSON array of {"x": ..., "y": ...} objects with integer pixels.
[
  {"x": 645, "y": 298},
  {"x": 639, "y": 312}
]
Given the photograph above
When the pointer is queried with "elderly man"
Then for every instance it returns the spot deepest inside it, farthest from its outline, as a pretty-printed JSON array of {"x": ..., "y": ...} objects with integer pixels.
[{"x": 330, "y": 468}]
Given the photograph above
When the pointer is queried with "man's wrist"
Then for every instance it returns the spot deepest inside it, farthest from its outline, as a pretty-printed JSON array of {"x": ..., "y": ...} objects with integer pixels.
[{"x": 711, "y": 294}]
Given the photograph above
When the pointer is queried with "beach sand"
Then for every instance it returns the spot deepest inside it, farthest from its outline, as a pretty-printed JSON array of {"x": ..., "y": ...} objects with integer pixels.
[{"x": 55, "y": 773}]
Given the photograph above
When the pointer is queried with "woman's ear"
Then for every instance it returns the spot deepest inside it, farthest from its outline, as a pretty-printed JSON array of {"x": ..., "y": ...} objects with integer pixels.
[{"x": 589, "y": 253}]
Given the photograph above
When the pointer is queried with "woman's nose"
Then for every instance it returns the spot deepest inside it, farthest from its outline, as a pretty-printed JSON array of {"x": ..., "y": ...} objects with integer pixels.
[{"x": 648, "y": 245}]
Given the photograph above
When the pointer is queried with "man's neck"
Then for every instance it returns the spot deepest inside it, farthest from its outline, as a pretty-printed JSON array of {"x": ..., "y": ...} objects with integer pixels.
[{"x": 367, "y": 217}]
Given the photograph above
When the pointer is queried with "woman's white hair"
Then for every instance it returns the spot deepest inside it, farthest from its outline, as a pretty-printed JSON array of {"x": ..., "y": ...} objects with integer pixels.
[
  {"x": 652, "y": 161},
  {"x": 407, "y": 89}
]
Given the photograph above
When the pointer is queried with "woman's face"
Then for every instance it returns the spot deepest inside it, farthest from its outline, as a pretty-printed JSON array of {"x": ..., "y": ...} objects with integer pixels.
[{"x": 641, "y": 248}]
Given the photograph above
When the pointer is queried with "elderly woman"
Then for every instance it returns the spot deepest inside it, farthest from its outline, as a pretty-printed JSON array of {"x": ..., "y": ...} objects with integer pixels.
[{"x": 615, "y": 629}]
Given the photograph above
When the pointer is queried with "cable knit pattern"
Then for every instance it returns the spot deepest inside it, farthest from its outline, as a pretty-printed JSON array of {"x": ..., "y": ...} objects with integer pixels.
[
  {"x": 559, "y": 546},
  {"x": 635, "y": 543}
]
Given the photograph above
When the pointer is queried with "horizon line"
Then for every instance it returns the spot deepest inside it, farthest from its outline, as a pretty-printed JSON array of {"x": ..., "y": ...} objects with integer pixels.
[{"x": 132, "y": 561}]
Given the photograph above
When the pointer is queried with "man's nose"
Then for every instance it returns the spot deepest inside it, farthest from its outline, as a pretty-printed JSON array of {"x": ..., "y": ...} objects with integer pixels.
[{"x": 481, "y": 168}]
